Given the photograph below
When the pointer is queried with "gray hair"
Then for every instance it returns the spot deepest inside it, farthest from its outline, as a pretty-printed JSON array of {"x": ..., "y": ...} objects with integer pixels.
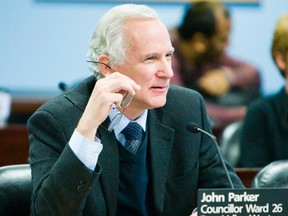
[{"x": 109, "y": 36}]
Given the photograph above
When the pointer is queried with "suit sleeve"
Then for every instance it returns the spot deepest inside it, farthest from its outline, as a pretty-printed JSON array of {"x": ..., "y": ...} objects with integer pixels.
[{"x": 61, "y": 182}]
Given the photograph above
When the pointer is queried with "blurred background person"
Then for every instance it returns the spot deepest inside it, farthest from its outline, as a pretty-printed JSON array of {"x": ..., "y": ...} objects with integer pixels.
[
  {"x": 265, "y": 133},
  {"x": 201, "y": 63}
]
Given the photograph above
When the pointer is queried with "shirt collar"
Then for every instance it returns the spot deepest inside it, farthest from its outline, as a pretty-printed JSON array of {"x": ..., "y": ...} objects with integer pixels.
[{"x": 125, "y": 121}]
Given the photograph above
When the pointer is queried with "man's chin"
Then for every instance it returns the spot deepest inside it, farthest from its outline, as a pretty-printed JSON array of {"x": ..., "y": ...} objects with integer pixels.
[{"x": 158, "y": 103}]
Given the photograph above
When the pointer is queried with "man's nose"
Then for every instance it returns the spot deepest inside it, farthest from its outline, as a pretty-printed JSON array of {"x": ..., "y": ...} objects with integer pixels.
[{"x": 165, "y": 69}]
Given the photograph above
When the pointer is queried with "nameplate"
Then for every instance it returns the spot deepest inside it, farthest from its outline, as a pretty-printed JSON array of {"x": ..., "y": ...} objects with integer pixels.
[{"x": 243, "y": 202}]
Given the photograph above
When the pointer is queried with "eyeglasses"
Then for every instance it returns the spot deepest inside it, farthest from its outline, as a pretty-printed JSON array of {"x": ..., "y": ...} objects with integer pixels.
[
  {"x": 123, "y": 105},
  {"x": 116, "y": 119}
]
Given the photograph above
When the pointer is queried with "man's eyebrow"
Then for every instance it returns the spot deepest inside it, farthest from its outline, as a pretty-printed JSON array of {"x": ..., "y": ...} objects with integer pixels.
[{"x": 155, "y": 54}]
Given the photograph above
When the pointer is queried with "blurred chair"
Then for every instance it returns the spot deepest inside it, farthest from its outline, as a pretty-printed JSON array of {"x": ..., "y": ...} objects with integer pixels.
[
  {"x": 273, "y": 175},
  {"x": 15, "y": 190},
  {"x": 230, "y": 142}
]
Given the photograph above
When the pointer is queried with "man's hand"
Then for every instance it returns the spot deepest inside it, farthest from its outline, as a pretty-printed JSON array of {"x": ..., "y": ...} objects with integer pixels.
[
  {"x": 215, "y": 83},
  {"x": 107, "y": 91}
]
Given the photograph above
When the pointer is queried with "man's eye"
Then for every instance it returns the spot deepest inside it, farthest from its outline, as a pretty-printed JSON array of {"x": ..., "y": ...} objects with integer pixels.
[
  {"x": 169, "y": 56},
  {"x": 150, "y": 58}
]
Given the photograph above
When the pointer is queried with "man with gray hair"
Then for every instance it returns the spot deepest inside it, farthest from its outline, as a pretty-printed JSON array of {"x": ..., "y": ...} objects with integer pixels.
[{"x": 117, "y": 143}]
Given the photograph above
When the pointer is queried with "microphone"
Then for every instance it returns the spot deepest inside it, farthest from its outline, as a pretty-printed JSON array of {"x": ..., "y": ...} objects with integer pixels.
[
  {"x": 192, "y": 127},
  {"x": 63, "y": 86}
]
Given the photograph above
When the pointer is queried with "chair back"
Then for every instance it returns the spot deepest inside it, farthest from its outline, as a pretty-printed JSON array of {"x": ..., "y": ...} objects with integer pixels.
[
  {"x": 274, "y": 175},
  {"x": 230, "y": 142},
  {"x": 15, "y": 190}
]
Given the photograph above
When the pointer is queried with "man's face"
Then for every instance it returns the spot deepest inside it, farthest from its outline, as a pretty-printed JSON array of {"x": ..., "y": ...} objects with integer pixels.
[
  {"x": 148, "y": 62},
  {"x": 218, "y": 42}
]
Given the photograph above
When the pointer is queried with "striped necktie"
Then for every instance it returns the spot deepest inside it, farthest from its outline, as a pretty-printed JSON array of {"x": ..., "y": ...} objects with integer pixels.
[{"x": 134, "y": 135}]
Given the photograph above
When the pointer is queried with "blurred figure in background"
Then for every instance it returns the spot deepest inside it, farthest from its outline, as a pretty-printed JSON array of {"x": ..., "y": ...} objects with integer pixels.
[
  {"x": 200, "y": 63},
  {"x": 265, "y": 132}
]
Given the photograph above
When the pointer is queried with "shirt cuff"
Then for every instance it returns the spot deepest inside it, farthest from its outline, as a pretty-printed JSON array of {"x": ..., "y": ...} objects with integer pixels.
[{"x": 86, "y": 150}]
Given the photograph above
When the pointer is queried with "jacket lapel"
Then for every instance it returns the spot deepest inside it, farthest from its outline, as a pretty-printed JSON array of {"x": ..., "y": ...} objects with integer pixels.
[
  {"x": 161, "y": 142},
  {"x": 79, "y": 97}
]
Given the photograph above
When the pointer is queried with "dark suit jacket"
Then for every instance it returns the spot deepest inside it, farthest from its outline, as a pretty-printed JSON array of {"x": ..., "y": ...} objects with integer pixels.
[
  {"x": 265, "y": 131},
  {"x": 179, "y": 161}
]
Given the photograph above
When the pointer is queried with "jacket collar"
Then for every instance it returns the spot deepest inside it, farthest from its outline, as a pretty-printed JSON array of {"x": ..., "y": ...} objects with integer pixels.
[{"x": 80, "y": 94}]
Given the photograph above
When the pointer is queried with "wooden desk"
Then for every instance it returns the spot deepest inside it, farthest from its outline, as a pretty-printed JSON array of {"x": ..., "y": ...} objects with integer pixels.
[
  {"x": 14, "y": 145},
  {"x": 247, "y": 175}
]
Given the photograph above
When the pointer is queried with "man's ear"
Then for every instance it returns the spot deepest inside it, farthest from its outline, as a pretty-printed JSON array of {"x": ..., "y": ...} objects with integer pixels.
[{"x": 102, "y": 67}]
